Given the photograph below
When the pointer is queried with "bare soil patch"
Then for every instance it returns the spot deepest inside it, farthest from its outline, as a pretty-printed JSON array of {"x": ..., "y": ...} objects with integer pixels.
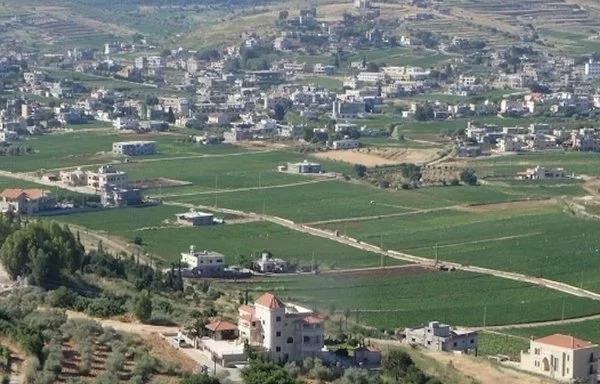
[
  {"x": 382, "y": 156},
  {"x": 404, "y": 270},
  {"x": 513, "y": 205},
  {"x": 484, "y": 372}
]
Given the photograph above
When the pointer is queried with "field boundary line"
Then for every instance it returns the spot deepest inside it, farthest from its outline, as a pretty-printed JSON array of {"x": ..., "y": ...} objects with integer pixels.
[
  {"x": 233, "y": 190},
  {"x": 413, "y": 211}
]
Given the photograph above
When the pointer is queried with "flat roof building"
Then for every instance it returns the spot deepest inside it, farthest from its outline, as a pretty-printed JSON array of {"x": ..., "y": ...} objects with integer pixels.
[
  {"x": 204, "y": 262},
  {"x": 195, "y": 218},
  {"x": 134, "y": 148}
]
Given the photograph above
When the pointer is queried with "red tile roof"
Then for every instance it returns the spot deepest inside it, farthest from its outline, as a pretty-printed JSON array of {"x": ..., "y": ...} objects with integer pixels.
[
  {"x": 219, "y": 326},
  {"x": 248, "y": 318},
  {"x": 31, "y": 194},
  {"x": 12, "y": 193},
  {"x": 270, "y": 301},
  {"x": 564, "y": 341}
]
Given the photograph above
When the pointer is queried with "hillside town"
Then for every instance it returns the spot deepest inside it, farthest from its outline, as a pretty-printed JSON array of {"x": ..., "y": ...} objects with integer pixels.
[{"x": 341, "y": 193}]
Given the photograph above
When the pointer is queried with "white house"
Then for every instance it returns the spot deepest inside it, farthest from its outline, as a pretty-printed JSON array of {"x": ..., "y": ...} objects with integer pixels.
[
  {"x": 204, "y": 262},
  {"x": 286, "y": 331},
  {"x": 563, "y": 358}
]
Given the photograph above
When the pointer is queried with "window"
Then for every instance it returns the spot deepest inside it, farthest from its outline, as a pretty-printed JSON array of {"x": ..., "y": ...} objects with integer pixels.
[
  {"x": 472, "y": 341},
  {"x": 263, "y": 322},
  {"x": 219, "y": 260},
  {"x": 254, "y": 323},
  {"x": 278, "y": 318},
  {"x": 306, "y": 339},
  {"x": 290, "y": 340},
  {"x": 454, "y": 343},
  {"x": 277, "y": 349},
  {"x": 277, "y": 334},
  {"x": 428, "y": 342}
]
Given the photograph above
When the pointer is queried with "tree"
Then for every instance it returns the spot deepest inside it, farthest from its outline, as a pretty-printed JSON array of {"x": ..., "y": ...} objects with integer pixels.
[
  {"x": 347, "y": 314},
  {"x": 171, "y": 116},
  {"x": 396, "y": 364},
  {"x": 142, "y": 307},
  {"x": 261, "y": 371},
  {"x": 279, "y": 112},
  {"x": 468, "y": 176},
  {"x": 201, "y": 378},
  {"x": 283, "y": 15},
  {"x": 360, "y": 376},
  {"x": 360, "y": 170},
  {"x": 137, "y": 240}
]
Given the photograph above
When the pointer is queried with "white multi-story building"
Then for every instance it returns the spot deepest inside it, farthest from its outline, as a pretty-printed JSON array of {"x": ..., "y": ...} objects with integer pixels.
[
  {"x": 287, "y": 331},
  {"x": 204, "y": 262},
  {"x": 134, "y": 148},
  {"x": 371, "y": 77},
  {"x": 563, "y": 358},
  {"x": 592, "y": 68}
]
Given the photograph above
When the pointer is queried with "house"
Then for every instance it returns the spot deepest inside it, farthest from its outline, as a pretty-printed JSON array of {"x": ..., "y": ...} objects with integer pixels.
[
  {"x": 304, "y": 167},
  {"x": 106, "y": 176},
  {"x": 468, "y": 151},
  {"x": 204, "y": 262},
  {"x": 442, "y": 337},
  {"x": 286, "y": 331},
  {"x": 26, "y": 201},
  {"x": 113, "y": 196},
  {"x": 268, "y": 264},
  {"x": 541, "y": 173},
  {"x": 345, "y": 144},
  {"x": 134, "y": 148},
  {"x": 346, "y": 109},
  {"x": 127, "y": 123},
  {"x": 563, "y": 358},
  {"x": 221, "y": 330},
  {"x": 195, "y": 219}
]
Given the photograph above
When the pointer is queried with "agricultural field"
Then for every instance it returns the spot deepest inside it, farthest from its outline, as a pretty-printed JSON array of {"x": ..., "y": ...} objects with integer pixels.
[
  {"x": 532, "y": 238},
  {"x": 573, "y": 162},
  {"x": 321, "y": 201},
  {"x": 245, "y": 239},
  {"x": 167, "y": 241},
  {"x": 492, "y": 344},
  {"x": 400, "y": 299},
  {"x": 587, "y": 330},
  {"x": 86, "y": 148},
  {"x": 230, "y": 171}
]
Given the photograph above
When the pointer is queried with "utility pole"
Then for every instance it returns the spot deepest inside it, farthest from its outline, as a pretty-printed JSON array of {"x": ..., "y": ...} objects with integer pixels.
[
  {"x": 484, "y": 314},
  {"x": 259, "y": 181},
  {"x": 312, "y": 264},
  {"x": 381, "y": 241},
  {"x": 264, "y": 206},
  {"x": 381, "y": 260},
  {"x": 436, "y": 254},
  {"x": 562, "y": 317}
]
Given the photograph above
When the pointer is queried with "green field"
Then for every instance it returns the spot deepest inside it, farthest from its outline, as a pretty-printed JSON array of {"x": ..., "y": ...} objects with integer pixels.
[
  {"x": 578, "y": 162},
  {"x": 116, "y": 221},
  {"x": 586, "y": 330},
  {"x": 322, "y": 201},
  {"x": 539, "y": 241},
  {"x": 491, "y": 344},
  {"x": 243, "y": 239},
  {"x": 74, "y": 149},
  {"x": 250, "y": 170},
  {"x": 410, "y": 300}
]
